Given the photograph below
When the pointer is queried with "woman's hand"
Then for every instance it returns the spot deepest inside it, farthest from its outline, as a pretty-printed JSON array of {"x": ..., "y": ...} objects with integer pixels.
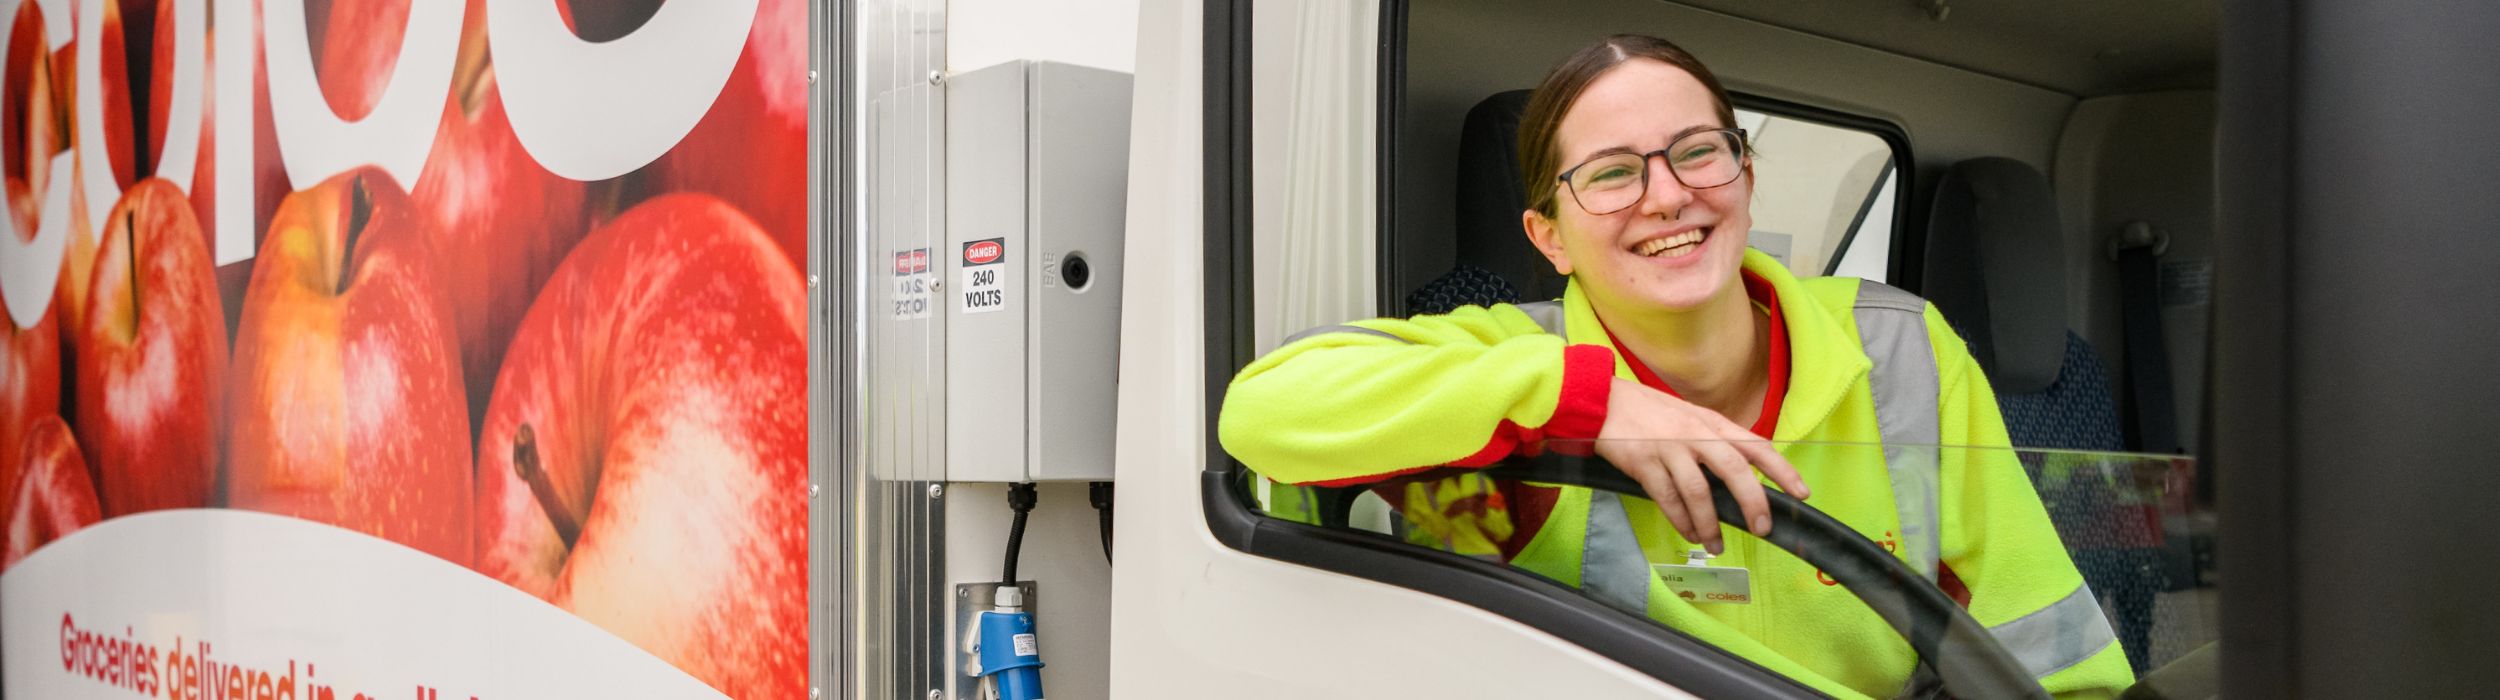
[{"x": 1664, "y": 443}]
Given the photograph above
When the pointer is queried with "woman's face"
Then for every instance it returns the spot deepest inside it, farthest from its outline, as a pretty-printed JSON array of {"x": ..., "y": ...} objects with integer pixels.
[{"x": 1677, "y": 246}]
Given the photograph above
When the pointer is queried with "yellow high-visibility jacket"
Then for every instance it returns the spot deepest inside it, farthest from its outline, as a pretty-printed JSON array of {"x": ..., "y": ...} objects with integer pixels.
[{"x": 1377, "y": 398}]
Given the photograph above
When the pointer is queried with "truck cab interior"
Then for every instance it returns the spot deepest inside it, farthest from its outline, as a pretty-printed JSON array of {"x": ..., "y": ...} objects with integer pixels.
[{"x": 2044, "y": 172}]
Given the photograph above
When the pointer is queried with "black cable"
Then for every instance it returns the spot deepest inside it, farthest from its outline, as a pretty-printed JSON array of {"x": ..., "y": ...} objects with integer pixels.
[
  {"x": 1099, "y": 493},
  {"x": 1015, "y": 541},
  {"x": 1020, "y": 498}
]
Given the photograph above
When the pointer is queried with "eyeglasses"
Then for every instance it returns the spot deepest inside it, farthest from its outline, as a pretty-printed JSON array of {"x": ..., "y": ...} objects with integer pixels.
[{"x": 1613, "y": 182}]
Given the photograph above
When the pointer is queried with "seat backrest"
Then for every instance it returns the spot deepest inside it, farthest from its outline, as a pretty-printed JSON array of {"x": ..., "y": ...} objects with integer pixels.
[
  {"x": 1994, "y": 267},
  {"x": 2076, "y": 412},
  {"x": 1487, "y": 234}
]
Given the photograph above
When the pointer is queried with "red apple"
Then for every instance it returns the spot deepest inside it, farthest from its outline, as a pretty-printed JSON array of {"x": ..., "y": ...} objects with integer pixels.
[
  {"x": 644, "y": 461},
  {"x": 31, "y": 119},
  {"x": 748, "y": 150},
  {"x": 30, "y": 381},
  {"x": 151, "y": 357},
  {"x": 30, "y": 368},
  {"x": 481, "y": 187},
  {"x": 30, "y": 389},
  {"x": 113, "y": 67},
  {"x": 347, "y": 408},
  {"x": 484, "y": 191},
  {"x": 50, "y": 495},
  {"x": 355, "y": 46},
  {"x": 77, "y": 263}
]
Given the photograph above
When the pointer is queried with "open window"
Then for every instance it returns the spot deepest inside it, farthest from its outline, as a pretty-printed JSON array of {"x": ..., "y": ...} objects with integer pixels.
[
  {"x": 1826, "y": 188},
  {"x": 1340, "y": 188}
]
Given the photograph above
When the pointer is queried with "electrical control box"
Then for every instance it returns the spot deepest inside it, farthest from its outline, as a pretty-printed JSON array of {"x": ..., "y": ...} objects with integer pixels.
[{"x": 1036, "y": 162}]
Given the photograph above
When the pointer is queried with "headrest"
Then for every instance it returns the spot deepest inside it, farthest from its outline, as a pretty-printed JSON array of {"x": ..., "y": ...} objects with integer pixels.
[
  {"x": 1996, "y": 268},
  {"x": 1488, "y": 235}
]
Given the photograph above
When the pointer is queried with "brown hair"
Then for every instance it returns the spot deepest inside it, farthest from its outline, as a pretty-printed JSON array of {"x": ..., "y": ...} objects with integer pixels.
[{"x": 1543, "y": 116}]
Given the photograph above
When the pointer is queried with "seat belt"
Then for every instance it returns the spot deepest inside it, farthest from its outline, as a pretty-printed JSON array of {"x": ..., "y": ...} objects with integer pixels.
[{"x": 2149, "y": 404}]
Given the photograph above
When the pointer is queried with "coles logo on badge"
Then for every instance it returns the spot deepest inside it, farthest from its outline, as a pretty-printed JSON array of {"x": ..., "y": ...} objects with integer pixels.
[{"x": 984, "y": 252}]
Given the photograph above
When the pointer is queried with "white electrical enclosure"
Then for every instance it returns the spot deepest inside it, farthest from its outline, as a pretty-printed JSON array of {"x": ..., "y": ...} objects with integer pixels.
[{"x": 1036, "y": 200}]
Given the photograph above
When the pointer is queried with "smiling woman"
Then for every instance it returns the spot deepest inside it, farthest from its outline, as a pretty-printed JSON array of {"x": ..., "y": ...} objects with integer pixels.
[
  {"x": 1638, "y": 239},
  {"x": 1688, "y": 356}
]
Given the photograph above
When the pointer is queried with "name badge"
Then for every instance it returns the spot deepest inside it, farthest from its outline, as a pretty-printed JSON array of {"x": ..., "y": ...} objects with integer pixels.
[{"x": 1698, "y": 582}]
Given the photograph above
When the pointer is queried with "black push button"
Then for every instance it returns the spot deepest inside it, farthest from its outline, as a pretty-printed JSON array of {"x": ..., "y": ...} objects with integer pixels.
[{"x": 1075, "y": 272}]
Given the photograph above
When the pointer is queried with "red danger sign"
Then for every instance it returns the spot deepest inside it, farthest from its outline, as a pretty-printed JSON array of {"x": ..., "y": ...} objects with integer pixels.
[
  {"x": 911, "y": 262},
  {"x": 984, "y": 252}
]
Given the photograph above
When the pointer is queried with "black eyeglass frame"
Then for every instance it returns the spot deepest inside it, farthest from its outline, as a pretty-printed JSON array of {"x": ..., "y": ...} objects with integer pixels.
[{"x": 1744, "y": 151}]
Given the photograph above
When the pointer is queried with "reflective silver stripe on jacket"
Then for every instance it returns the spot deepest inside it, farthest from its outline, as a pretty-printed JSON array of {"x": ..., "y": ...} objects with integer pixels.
[
  {"x": 1612, "y": 567},
  {"x": 1892, "y": 325},
  {"x": 1547, "y": 315},
  {"x": 1325, "y": 330},
  {"x": 2057, "y": 637}
]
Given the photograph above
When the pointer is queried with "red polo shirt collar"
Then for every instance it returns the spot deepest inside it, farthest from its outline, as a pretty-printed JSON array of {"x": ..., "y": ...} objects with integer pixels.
[{"x": 1760, "y": 291}]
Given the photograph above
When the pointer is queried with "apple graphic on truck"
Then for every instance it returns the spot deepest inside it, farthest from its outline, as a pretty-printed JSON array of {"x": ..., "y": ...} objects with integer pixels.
[
  {"x": 150, "y": 359},
  {"x": 347, "y": 403},
  {"x": 644, "y": 461}
]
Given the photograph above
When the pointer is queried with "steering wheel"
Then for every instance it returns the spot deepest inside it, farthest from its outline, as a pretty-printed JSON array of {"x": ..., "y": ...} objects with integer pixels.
[{"x": 1936, "y": 627}]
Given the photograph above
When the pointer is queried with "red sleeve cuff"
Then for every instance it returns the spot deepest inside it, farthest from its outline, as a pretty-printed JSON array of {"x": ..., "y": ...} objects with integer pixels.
[{"x": 1588, "y": 379}]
